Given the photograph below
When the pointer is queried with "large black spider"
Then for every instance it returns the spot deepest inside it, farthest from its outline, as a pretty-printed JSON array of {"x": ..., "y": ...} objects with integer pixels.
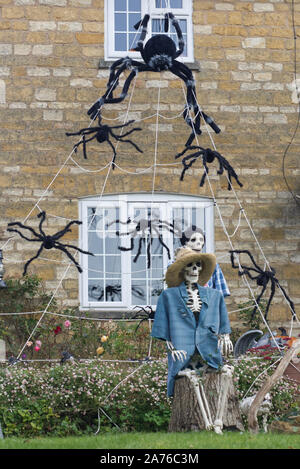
[
  {"x": 101, "y": 134},
  {"x": 144, "y": 313},
  {"x": 262, "y": 278},
  {"x": 207, "y": 156},
  {"x": 145, "y": 229},
  {"x": 47, "y": 241},
  {"x": 158, "y": 54}
]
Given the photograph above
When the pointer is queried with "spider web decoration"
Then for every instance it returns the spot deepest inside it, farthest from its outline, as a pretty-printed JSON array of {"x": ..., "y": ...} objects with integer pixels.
[
  {"x": 193, "y": 135},
  {"x": 208, "y": 156},
  {"x": 158, "y": 54},
  {"x": 102, "y": 133},
  {"x": 262, "y": 278},
  {"x": 146, "y": 230},
  {"x": 47, "y": 241}
]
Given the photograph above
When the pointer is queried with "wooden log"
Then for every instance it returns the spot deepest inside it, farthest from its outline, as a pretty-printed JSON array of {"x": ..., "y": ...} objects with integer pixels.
[
  {"x": 186, "y": 414},
  {"x": 268, "y": 384}
]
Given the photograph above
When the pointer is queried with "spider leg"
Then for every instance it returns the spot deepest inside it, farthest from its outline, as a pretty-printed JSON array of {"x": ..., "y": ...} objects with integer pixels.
[
  {"x": 30, "y": 260},
  {"x": 128, "y": 249},
  {"x": 57, "y": 243},
  {"x": 258, "y": 300},
  {"x": 162, "y": 241},
  {"x": 193, "y": 147},
  {"x": 122, "y": 125},
  {"x": 124, "y": 90},
  {"x": 140, "y": 43},
  {"x": 287, "y": 298},
  {"x": 270, "y": 299},
  {"x": 224, "y": 164},
  {"x": 66, "y": 229},
  {"x": 206, "y": 170},
  {"x": 17, "y": 223},
  {"x": 245, "y": 251},
  {"x": 139, "y": 250},
  {"x": 178, "y": 30},
  {"x": 86, "y": 131},
  {"x": 120, "y": 139},
  {"x": 112, "y": 84},
  {"x": 62, "y": 248},
  {"x": 149, "y": 243},
  {"x": 42, "y": 215},
  {"x": 115, "y": 154},
  {"x": 23, "y": 236}
]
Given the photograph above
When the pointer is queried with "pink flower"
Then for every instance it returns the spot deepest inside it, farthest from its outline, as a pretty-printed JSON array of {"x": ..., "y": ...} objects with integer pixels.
[
  {"x": 38, "y": 343},
  {"x": 67, "y": 323},
  {"x": 36, "y": 348}
]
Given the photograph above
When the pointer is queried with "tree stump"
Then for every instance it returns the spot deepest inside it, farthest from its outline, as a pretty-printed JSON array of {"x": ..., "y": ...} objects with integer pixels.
[{"x": 186, "y": 415}]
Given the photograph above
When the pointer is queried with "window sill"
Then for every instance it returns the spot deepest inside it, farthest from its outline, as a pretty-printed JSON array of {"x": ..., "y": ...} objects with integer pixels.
[{"x": 103, "y": 64}]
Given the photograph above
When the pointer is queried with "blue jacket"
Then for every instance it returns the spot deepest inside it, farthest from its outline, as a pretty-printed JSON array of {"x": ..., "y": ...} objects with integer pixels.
[{"x": 176, "y": 323}]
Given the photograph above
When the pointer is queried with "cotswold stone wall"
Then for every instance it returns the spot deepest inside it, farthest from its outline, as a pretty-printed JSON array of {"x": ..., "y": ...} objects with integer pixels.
[{"x": 50, "y": 52}]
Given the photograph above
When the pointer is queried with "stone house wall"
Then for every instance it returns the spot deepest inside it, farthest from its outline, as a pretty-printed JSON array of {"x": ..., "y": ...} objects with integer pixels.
[{"x": 50, "y": 51}]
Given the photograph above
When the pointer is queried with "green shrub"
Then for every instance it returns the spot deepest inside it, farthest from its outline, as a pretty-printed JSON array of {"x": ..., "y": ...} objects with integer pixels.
[{"x": 64, "y": 400}]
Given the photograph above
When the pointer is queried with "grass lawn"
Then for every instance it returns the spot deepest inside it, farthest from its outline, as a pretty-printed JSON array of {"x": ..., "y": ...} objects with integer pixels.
[{"x": 189, "y": 441}]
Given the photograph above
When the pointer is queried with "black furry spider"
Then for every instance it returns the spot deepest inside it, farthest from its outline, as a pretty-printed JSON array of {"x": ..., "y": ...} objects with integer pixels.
[
  {"x": 207, "y": 156},
  {"x": 158, "y": 54},
  {"x": 262, "y": 279},
  {"x": 102, "y": 134},
  {"x": 48, "y": 242},
  {"x": 146, "y": 229},
  {"x": 144, "y": 313}
]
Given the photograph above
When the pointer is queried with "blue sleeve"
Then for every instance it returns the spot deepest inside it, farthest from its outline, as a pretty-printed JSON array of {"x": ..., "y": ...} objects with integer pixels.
[
  {"x": 224, "y": 319},
  {"x": 160, "y": 328}
]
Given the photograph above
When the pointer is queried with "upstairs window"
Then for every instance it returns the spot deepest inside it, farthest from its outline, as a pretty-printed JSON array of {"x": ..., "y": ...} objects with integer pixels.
[
  {"x": 122, "y": 15},
  {"x": 117, "y": 280}
]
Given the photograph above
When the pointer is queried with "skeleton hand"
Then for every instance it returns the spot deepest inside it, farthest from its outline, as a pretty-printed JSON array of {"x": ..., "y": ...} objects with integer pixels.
[
  {"x": 176, "y": 354},
  {"x": 225, "y": 344}
]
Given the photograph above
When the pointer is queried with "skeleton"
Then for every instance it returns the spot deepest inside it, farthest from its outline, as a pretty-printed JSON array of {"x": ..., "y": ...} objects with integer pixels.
[
  {"x": 191, "y": 273},
  {"x": 263, "y": 410}
]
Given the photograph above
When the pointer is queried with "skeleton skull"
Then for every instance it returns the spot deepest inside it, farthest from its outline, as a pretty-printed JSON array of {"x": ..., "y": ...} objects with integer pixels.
[
  {"x": 191, "y": 272},
  {"x": 196, "y": 242}
]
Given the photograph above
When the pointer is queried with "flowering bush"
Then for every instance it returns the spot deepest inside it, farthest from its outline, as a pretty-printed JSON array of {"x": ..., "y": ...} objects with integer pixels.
[
  {"x": 64, "y": 400},
  {"x": 252, "y": 370}
]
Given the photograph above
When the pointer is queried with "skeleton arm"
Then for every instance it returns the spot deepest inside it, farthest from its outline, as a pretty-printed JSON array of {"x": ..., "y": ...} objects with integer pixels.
[
  {"x": 176, "y": 354},
  {"x": 225, "y": 344}
]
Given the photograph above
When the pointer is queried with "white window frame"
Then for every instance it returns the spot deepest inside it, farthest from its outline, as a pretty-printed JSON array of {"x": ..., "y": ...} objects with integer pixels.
[
  {"x": 126, "y": 202},
  {"x": 148, "y": 6}
]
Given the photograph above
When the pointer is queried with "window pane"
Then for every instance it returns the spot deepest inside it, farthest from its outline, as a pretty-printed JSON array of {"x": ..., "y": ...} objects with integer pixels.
[
  {"x": 113, "y": 290},
  {"x": 96, "y": 269},
  {"x": 96, "y": 290},
  {"x": 120, "y": 42},
  {"x": 176, "y": 3},
  {"x": 139, "y": 292},
  {"x": 113, "y": 266},
  {"x": 133, "y": 18},
  {"x": 120, "y": 22},
  {"x": 95, "y": 219},
  {"x": 95, "y": 242},
  {"x": 120, "y": 5},
  {"x": 157, "y": 288},
  {"x": 182, "y": 24},
  {"x": 111, "y": 244},
  {"x": 166, "y": 4},
  {"x": 133, "y": 39},
  {"x": 157, "y": 25},
  {"x": 135, "y": 5}
]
